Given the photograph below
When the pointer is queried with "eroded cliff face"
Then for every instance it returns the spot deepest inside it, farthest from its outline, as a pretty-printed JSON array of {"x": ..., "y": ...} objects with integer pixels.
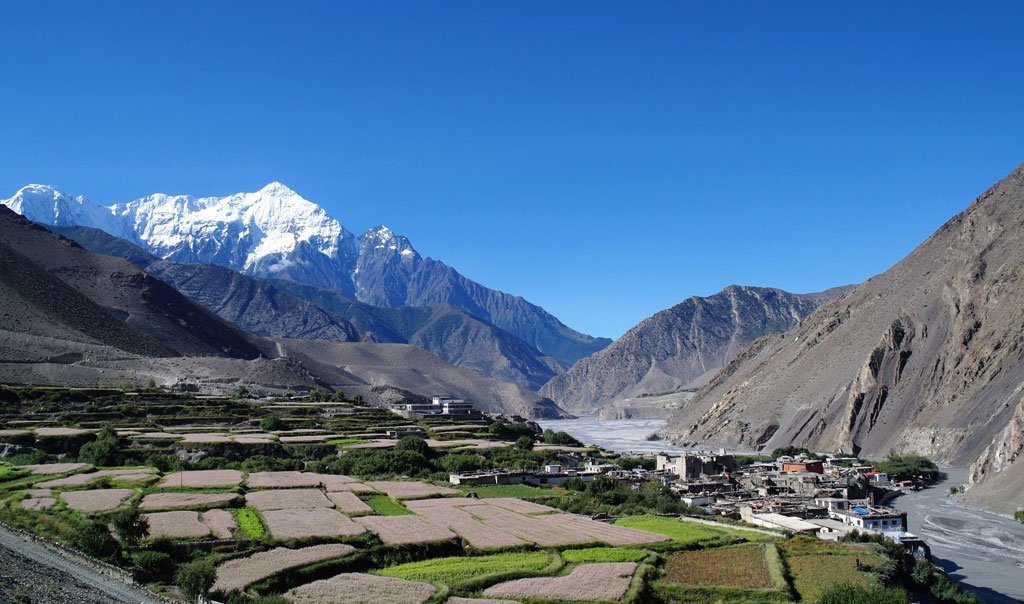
[
  {"x": 926, "y": 358},
  {"x": 996, "y": 479}
]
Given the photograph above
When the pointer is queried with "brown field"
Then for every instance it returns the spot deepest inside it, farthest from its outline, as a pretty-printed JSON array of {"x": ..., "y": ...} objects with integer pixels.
[
  {"x": 203, "y": 478},
  {"x": 399, "y": 530},
  {"x": 520, "y": 506},
  {"x": 75, "y": 480},
  {"x": 38, "y": 503},
  {"x": 400, "y": 489},
  {"x": 176, "y": 525},
  {"x": 283, "y": 499},
  {"x": 739, "y": 566},
  {"x": 170, "y": 501},
  {"x": 282, "y": 480},
  {"x": 316, "y": 522},
  {"x": 240, "y": 573},
  {"x": 499, "y": 522},
  {"x": 476, "y": 533},
  {"x": 97, "y": 500},
  {"x": 221, "y": 522},
  {"x": 253, "y": 440},
  {"x": 57, "y": 468},
  {"x": 40, "y": 493},
  {"x": 601, "y": 581},
  {"x": 359, "y": 588},
  {"x": 61, "y": 431},
  {"x": 541, "y": 530},
  {"x": 378, "y": 443},
  {"x": 347, "y": 502},
  {"x": 458, "y": 600},
  {"x": 602, "y": 531}
]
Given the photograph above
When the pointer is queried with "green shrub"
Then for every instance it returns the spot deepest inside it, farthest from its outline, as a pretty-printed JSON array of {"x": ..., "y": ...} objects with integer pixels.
[
  {"x": 152, "y": 566},
  {"x": 845, "y": 593},
  {"x": 195, "y": 578},
  {"x": 272, "y": 423},
  {"x": 94, "y": 538},
  {"x": 129, "y": 525},
  {"x": 104, "y": 451}
]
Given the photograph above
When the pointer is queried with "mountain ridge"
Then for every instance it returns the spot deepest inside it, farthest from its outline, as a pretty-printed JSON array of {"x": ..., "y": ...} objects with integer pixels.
[
  {"x": 275, "y": 233},
  {"x": 680, "y": 347}
]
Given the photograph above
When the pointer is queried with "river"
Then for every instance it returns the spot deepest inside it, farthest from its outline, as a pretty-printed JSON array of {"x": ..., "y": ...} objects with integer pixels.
[{"x": 983, "y": 551}]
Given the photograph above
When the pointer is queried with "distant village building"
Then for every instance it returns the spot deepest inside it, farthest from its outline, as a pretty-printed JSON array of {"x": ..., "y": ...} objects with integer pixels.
[
  {"x": 804, "y": 465},
  {"x": 691, "y": 466},
  {"x": 438, "y": 407}
]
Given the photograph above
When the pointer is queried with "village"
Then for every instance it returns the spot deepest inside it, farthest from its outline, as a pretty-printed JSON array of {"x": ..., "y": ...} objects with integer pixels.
[{"x": 829, "y": 498}]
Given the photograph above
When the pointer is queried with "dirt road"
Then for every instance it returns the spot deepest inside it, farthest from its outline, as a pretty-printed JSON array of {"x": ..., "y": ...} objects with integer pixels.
[{"x": 31, "y": 572}]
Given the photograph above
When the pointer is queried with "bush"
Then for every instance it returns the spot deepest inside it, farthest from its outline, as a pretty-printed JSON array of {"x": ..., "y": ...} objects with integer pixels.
[
  {"x": 94, "y": 539},
  {"x": 195, "y": 578},
  {"x": 524, "y": 443},
  {"x": 129, "y": 525},
  {"x": 104, "y": 451},
  {"x": 845, "y": 593},
  {"x": 272, "y": 423},
  {"x": 152, "y": 566},
  {"x": 413, "y": 444},
  {"x": 560, "y": 438}
]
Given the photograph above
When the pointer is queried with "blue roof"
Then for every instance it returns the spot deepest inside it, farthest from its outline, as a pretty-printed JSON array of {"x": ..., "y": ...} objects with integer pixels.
[{"x": 861, "y": 510}]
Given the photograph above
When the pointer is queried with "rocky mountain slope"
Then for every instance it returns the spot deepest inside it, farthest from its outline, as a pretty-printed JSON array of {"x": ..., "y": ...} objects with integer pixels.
[
  {"x": 680, "y": 348},
  {"x": 52, "y": 287},
  {"x": 286, "y": 309},
  {"x": 72, "y": 317},
  {"x": 927, "y": 357},
  {"x": 275, "y": 233}
]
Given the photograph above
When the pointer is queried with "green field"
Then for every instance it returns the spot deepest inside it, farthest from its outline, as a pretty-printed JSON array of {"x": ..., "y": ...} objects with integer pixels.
[
  {"x": 452, "y": 571},
  {"x": 678, "y": 530},
  {"x": 249, "y": 520},
  {"x": 385, "y": 506},
  {"x": 340, "y": 442},
  {"x": 604, "y": 554},
  {"x": 688, "y": 532},
  {"x": 9, "y": 472},
  {"x": 520, "y": 491}
]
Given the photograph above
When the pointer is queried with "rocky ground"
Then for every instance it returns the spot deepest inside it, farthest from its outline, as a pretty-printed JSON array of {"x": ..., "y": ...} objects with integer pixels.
[{"x": 32, "y": 573}]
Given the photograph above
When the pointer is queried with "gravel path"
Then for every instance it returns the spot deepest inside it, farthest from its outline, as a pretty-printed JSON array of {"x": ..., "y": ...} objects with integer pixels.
[{"x": 28, "y": 568}]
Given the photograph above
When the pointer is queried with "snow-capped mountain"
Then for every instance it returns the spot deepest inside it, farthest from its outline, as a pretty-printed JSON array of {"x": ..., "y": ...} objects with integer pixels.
[{"x": 276, "y": 233}]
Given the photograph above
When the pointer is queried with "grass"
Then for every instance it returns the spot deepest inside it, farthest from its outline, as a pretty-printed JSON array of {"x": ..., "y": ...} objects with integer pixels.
[
  {"x": 9, "y": 472},
  {"x": 814, "y": 575},
  {"x": 385, "y": 506},
  {"x": 456, "y": 570},
  {"x": 678, "y": 530},
  {"x": 740, "y": 566},
  {"x": 520, "y": 491},
  {"x": 604, "y": 554},
  {"x": 249, "y": 521}
]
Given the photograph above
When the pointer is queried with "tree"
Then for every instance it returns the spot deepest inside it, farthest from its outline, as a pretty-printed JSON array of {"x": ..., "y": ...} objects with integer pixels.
[
  {"x": 524, "y": 443},
  {"x": 152, "y": 566},
  {"x": 94, "y": 538},
  {"x": 129, "y": 525},
  {"x": 271, "y": 423},
  {"x": 104, "y": 451},
  {"x": 195, "y": 578},
  {"x": 414, "y": 444}
]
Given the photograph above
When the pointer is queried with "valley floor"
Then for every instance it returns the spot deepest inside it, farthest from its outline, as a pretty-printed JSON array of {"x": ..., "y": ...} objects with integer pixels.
[{"x": 984, "y": 551}]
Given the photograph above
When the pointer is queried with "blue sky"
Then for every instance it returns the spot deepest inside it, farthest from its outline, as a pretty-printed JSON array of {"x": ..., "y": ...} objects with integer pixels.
[{"x": 604, "y": 160}]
